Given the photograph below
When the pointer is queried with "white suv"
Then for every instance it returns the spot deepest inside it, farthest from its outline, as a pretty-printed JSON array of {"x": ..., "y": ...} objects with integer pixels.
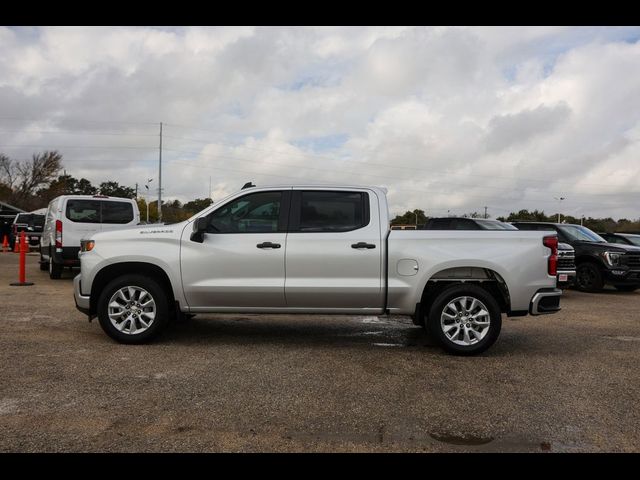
[{"x": 71, "y": 217}]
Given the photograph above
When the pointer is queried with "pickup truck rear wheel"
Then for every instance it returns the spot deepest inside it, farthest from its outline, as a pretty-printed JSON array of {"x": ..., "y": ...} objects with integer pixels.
[
  {"x": 464, "y": 319},
  {"x": 133, "y": 309}
]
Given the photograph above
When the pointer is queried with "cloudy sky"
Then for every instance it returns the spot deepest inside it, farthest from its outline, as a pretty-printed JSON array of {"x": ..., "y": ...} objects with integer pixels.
[{"x": 448, "y": 119}]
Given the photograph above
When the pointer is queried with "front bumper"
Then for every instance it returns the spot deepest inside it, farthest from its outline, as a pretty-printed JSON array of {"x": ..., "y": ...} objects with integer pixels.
[
  {"x": 566, "y": 278},
  {"x": 622, "y": 276},
  {"x": 545, "y": 301},
  {"x": 83, "y": 302}
]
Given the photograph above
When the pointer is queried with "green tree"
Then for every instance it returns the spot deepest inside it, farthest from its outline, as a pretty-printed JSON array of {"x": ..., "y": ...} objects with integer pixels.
[
  {"x": 197, "y": 205},
  {"x": 114, "y": 189},
  {"x": 409, "y": 218}
]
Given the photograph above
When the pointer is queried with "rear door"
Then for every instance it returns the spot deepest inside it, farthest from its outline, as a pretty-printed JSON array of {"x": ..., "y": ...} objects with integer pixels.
[
  {"x": 334, "y": 251},
  {"x": 81, "y": 216}
]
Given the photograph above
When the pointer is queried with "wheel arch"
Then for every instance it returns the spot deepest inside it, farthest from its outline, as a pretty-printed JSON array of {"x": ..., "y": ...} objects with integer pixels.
[
  {"x": 108, "y": 273},
  {"x": 486, "y": 278}
]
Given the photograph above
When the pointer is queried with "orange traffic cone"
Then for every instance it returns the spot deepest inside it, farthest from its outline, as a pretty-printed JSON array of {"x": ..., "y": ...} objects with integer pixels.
[
  {"x": 5, "y": 244},
  {"x": 16, "y": 246}
]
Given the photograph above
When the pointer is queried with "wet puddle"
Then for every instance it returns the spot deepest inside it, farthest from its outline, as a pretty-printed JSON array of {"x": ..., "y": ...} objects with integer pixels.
[
  {"x": 624, "y": 338},
  {"x": 459, "y": 440}
]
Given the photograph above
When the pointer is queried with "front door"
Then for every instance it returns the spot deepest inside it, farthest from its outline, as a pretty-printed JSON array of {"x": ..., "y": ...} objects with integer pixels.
[{"x": 240, "y": 263}]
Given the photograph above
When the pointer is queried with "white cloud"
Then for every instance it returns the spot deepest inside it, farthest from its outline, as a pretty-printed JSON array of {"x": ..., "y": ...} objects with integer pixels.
[{"x": 447, "y": 118}]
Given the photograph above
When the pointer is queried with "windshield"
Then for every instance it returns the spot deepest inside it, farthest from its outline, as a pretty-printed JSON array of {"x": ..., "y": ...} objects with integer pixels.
[
  {"x": 494, "y": 225},
  {"x": 579, "y": 233},
  {"x": 635, "y": 239}
]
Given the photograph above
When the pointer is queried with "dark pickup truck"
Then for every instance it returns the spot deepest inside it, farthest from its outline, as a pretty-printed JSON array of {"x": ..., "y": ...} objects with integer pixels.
[
  {"x": 598, "y": 262},
  {"x": 29, "y": 223}
]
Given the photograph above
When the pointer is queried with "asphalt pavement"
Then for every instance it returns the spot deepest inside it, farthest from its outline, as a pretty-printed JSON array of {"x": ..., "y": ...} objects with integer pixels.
[{"x": 309, "y": 383}]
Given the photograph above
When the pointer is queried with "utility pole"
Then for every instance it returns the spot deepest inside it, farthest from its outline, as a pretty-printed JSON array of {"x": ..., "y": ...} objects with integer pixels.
[
  {"x": 136, "y": 190},
  {"x": 160, "y": 179},
  {"x": 209, "y": 186},
  {"x": 485, "y": 212},
  {"x": 147, "y": 196}
]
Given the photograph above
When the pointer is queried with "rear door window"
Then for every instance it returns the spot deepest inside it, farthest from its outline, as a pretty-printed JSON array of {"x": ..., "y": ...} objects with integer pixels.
[
  {"x": 117, "y": 212},
  {"x": 324, "y": 211},
  {"x": 83, "y": 211}
]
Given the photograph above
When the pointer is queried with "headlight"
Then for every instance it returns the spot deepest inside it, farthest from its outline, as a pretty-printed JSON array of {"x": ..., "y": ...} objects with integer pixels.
[
  {"x": 613, "y": 259},
  {"x": 87, "y": 245}
]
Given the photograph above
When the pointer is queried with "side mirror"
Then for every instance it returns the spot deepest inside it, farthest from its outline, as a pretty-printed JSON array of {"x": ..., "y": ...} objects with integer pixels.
[{"x": 199, "y": 228}]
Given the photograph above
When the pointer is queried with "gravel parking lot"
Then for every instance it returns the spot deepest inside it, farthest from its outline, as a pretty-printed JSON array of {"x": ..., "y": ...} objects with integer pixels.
[{"x": 564, "y": 382}]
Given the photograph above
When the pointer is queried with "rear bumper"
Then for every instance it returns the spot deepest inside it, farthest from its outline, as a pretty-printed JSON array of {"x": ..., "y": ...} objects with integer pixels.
[
  {"x": 545, "y": 301},
  {"x": 83, "y": 302},
  {"x": 68, "y": 256}
]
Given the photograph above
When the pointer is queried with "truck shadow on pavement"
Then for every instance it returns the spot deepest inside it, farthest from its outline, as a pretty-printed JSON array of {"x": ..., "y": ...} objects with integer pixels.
[{"x": 343, "y": 331}]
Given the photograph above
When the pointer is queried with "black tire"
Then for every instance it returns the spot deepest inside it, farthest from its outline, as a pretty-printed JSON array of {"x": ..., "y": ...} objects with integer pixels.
[
  {"x": 154, "y": 289},
  {"x": 55, "y": 269},
  {"x": 44, "y": 265},
  {"x": 435, "y": 328},
  {"x": 589, "y": 277},
  {"x": 627, "y": 288}
]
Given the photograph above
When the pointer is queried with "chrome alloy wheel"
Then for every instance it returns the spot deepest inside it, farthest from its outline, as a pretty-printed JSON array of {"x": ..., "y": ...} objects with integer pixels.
[
  {"x": 132, "y": 310},
  {"x": 465, "y": 320}
]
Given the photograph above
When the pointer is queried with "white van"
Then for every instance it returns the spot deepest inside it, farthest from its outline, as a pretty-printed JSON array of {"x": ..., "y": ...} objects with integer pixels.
[{"x": 71, "y": 217}]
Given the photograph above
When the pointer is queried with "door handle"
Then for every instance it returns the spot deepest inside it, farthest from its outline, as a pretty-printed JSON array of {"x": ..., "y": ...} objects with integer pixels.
[
  {"x": 268, "y": 245},
  {"x": 363, "y": 245}
]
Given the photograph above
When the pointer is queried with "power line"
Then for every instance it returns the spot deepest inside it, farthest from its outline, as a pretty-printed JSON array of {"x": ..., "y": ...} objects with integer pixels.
[
  {"x": 80, "y": 133},
  {"x": 58, "y": 147},
  {"x": 359, "y": 174},
  {"x": 394, "y": 166},
  {"x": 302, "y": 180},
  {"x": 26, "y": 119}
]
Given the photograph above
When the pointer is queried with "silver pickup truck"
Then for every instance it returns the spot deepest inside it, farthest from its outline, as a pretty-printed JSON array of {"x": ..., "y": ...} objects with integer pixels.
[{"x": 316, "y": 249}]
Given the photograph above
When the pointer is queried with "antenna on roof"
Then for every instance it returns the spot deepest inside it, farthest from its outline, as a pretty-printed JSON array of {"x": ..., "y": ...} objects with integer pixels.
[{"x": 247, "y": 185}]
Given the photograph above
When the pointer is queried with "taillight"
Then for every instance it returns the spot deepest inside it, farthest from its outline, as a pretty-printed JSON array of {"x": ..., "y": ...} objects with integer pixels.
[
  {"x": 58, "y": 234},
  {"x": 552, "y": 265}
]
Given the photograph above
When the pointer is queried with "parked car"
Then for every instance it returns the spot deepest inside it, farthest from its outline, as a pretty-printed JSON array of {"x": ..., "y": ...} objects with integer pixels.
[
  {"x": 464, "y": 223},
  {"x": 623, "y": 238},
  {"x": 598, "y": 262},
  {"x": 71, "y": 217},
  {"x": 29, "y": 223},
  {"x": 566, "y": 265},
  {"x": 313, "y": 249}
]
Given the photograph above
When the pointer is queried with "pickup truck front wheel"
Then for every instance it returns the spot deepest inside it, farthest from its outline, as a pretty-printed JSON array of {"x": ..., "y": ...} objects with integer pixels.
[
  {"x": 133, "y": 309},
  {"x": 464, "y": 319}
]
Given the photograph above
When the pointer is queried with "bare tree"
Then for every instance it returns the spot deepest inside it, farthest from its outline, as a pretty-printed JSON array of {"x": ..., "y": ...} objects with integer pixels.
[
  {"x": 24, "y": 179},
  {"x": 7, "y": 171}
]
